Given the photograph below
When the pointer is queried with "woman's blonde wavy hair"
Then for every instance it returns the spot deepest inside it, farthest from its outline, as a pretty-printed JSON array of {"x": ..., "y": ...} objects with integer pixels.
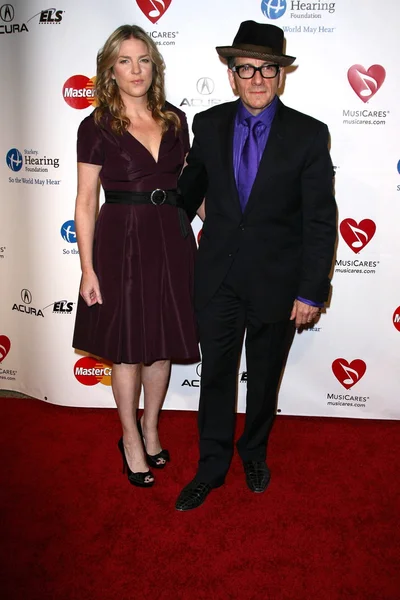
[{"x": 107, "y": 92}]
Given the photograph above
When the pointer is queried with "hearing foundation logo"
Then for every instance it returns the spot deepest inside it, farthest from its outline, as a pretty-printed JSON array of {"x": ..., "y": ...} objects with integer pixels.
[
  {"x": 91, "y": 371},
  {"x": 298, "y": 10},
  {"x": 273, "y": 9},
  {"x": 153, "y": 9},
  {"x": 79, "y": 92},
  {"x": 357, "y": 235},
  {"x": 32, "y": 161}
]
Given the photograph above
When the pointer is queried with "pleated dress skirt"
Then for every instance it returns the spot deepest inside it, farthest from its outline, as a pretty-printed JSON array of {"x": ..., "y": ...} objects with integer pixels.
[{"x": 145, "y": 270}]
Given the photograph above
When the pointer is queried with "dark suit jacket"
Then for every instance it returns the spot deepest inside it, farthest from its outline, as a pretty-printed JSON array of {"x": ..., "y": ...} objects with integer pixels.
[{"x": 285, "y": 237}]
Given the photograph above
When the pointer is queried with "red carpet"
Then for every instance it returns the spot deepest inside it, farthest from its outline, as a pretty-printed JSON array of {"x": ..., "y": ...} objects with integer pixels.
[{"x": 72, "y": 528}]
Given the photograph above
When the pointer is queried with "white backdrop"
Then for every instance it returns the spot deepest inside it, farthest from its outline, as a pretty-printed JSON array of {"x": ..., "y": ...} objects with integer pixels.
[{"x": 347, "y": 75}]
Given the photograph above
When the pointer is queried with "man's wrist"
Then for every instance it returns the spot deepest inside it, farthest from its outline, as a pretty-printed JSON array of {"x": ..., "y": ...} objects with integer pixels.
[{"x": 310, "y": 302}]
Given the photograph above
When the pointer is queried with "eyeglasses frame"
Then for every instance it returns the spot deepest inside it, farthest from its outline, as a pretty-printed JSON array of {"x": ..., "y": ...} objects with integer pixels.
[{"x": 236, "y": 67}]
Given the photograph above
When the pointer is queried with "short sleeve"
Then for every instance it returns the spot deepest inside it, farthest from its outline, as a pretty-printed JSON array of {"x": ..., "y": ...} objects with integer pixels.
[{"x": 90, "y": 142}]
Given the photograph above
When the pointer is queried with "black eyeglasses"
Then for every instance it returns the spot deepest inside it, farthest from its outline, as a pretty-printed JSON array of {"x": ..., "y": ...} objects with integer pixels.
[{"x": 248, "y": 71}]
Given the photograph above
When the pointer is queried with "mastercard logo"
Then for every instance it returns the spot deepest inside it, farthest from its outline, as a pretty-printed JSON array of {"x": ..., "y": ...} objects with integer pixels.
[
  {"x": 79, "y": 92},
  {"x": 91, "y": 371}
]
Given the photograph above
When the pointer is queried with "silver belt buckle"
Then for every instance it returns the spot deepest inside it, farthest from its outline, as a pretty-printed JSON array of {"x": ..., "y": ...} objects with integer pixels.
[{"x": 158, "y": 197}]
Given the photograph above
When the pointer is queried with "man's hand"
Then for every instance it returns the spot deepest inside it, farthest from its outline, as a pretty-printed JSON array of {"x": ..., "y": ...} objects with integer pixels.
[
  {"x": 304, "y": 313},
  {"x": 90, "y": 289}
]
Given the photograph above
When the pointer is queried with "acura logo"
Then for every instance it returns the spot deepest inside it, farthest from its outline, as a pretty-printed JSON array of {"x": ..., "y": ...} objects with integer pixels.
[
  {"x": 7, "y": 13},
  {"x": 198, "y": 369},
  {"x": 205, "y": 86},
  {"x": 26, "y": 296}
]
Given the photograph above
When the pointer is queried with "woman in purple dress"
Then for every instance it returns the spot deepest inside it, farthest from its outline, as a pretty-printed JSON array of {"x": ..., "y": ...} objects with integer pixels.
[{"x": 135, "y": 305}]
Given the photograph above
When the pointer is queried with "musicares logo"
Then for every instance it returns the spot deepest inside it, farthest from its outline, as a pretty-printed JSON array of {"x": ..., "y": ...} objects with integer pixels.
[
  {"x": 153, "y": 9},
  {"x": 348, "y": 374},
  {"x": 90, "y": 371},
  {"x": 5, "y": 346},
  {"x": 365, "y": 82},
  {"x": 357, "y": 235}
]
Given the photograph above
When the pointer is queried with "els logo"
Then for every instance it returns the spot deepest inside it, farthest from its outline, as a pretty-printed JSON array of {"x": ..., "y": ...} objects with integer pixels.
[
  {"x": 5, "y": 346},
  {"x": 273, "y": 9},
  {"x": 90, "y": 371},
  {"x": 153, "y": 9},
  {"x": 79, "y": 92},
  {"x": 365, "y": 82},
  {"x": 348, "y": 374},
  {"x": 357, "y": 235}
]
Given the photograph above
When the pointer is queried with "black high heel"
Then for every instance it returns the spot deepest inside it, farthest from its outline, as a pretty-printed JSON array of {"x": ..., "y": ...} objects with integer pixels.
[
  {"x": 138, "y": 479},
  {"x": 152, "y": 459}
]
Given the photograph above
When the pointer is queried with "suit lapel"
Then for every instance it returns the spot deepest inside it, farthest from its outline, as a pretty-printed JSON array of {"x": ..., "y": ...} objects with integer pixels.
[{"x": 272, "y": 156}]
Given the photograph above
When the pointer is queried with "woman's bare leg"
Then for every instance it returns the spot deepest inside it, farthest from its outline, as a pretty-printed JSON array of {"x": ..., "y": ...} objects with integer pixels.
[
  {"x": 126, "y": 386},
  {"x": 155, "y": 379}
]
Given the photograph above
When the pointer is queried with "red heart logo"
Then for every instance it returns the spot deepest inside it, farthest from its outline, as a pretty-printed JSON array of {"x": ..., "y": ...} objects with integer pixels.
[
  {"x": 5, "y": 346},
  {"x": 357, "y": 235},
  {"x": 366, "y": 83},
  {"x": 348, "y": 373},
  {"x": 153, "y": 9}
]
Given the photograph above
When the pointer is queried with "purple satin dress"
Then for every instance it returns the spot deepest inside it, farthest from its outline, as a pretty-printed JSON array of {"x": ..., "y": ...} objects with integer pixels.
[{"x": 144, "y": 264}]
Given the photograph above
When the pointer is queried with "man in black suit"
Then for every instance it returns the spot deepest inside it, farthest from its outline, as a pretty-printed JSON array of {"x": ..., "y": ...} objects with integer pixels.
[{"x": 265, "y": 252}]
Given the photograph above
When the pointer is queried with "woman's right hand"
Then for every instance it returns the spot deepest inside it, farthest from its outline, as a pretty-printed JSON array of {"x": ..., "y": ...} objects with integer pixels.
[{"x": 90, "y": 289}]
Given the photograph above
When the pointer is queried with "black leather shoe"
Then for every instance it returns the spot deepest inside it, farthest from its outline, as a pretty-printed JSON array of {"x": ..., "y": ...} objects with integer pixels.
[
  {"x": 257, "y": 475},
  {"x": 193, "y": 495}
]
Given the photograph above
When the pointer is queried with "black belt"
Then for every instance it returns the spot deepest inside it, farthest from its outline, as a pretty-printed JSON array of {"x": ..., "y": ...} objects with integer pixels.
[{"x": 157, "y": 197}]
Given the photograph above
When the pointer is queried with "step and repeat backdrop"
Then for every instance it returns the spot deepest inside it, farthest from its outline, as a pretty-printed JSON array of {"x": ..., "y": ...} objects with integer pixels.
[{"x": 346, "y": 74}]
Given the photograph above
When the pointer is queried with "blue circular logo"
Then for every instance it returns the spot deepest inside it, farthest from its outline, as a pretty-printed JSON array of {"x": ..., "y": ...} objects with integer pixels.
[
  {"x": 273, "y": 9},
  {"x": 68, "y": 233},
  {"x": 398, "y": 166},
  {"x": 14, "y": 159}
]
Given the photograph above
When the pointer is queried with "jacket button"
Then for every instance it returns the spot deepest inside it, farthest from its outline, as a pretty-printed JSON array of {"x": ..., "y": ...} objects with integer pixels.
[
  {"x": 242, "y": 227},
  {"x": 230, "y": 254}
]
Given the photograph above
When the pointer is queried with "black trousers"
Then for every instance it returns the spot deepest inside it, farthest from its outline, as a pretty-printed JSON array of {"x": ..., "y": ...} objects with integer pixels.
[{"x": 222, "y": 325}]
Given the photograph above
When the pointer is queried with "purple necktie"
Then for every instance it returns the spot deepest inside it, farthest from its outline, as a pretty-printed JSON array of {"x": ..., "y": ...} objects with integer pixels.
[{"x": 249, "y": 162}]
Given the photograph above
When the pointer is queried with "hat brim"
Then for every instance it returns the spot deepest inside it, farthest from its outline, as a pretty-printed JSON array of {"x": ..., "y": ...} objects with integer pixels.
[{"x": 231, "y": 51}]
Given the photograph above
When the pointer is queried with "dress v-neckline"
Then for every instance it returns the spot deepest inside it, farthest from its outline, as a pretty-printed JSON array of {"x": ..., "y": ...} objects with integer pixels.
[{"x": 147, "y": 150}]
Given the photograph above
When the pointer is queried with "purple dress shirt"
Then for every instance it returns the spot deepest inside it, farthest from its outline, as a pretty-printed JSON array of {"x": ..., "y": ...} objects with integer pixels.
[{"x": 241, "y": 131}]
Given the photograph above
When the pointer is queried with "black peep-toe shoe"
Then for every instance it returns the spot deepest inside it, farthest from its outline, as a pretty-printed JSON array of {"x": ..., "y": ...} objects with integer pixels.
[
  {"x": 138, "y": 479},
  {"x": 152, "y": 459}
]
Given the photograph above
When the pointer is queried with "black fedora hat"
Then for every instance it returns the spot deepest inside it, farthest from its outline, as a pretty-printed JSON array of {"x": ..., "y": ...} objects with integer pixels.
[{"x": 258, "y": 40}]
